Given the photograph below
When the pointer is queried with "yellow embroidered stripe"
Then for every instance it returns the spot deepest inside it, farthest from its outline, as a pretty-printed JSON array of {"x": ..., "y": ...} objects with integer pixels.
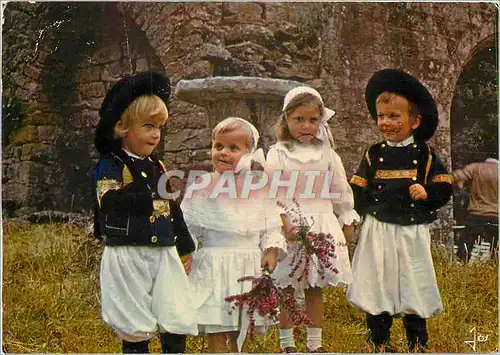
[
  {"x": 163, "y": 166},
  {"x": 367, "y": 156},
  {"x": 126, "y": 176},
  {"x": 429, "y": 163},
  {"x": 104, "y": 186},
  {"x": 396, "y": 174},
  {"x": 358, "y": 180},
  {"x": 161, "y": 208},
  {"x": 443, "y": 178}
]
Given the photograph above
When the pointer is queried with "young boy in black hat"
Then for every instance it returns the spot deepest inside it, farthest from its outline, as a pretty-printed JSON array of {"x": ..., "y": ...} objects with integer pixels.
[
  {"x": 398, "y": 187},
  {"x": 144, "y": 285}
]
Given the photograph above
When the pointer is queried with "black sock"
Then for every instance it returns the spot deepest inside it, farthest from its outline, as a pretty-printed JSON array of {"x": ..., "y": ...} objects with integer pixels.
[
  {"x": 140, "y": 347},
  {"x": 173, "y": 343},
  {"x": 416, "y": 331}
]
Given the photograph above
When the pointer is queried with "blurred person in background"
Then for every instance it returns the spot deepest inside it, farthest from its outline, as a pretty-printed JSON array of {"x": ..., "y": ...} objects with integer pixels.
[{"x": 482, "y": 211}]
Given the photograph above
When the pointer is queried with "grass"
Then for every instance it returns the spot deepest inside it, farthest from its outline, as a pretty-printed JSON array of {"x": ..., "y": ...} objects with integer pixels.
[{"x": 51, "y": 302}]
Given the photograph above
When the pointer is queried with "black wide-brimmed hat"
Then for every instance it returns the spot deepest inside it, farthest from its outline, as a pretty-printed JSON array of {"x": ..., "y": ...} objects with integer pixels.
[
  {"x": 401, "y": 83},
  {"x": 119, "y": 97}
]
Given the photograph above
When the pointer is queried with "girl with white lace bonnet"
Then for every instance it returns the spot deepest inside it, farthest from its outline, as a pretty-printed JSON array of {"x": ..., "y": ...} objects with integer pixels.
[
  {"x": 238, "y": 237},
  {"x": 304, "y": 143}
]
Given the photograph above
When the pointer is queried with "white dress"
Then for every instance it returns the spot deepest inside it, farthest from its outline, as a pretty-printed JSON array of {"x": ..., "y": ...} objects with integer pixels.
[
  {"x": 232, "y": 235},
  {"x": 329, "y": 214}
]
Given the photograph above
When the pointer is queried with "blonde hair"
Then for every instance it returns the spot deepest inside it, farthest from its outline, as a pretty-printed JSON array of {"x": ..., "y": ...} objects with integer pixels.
[
  {"x": 386, "y": 97},
  {"x": 281, "y": 130},
  {"x": 232, "y": 124},
  {"x": 144, "y": 109}
]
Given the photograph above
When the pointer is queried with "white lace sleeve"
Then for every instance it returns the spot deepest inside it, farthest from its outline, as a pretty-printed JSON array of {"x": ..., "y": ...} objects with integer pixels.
[
  {"x": 343, "y": 205},
  {"x": 271, "y": 234}
]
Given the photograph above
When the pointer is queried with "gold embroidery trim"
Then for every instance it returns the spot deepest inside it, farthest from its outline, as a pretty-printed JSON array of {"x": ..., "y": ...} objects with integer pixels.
[
  {"x": 127, "y": 176},
  {"x": 104, "y": 186},
  {"x": 443, "y": 178},
  {"x": 163, "y": 166},
  {"x": 161, "y": 208},
  {"x": 428, "y": 166},
  {"x": 396, "y": 174},
  {"x": 367, "y": 156},
  {"x": 358, "y": 180}
]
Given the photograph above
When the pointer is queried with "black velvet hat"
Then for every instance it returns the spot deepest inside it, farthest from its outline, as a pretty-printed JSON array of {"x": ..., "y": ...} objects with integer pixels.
[
  {"x": 401, "y": 83},
  {"x": 119, "y": 97}
]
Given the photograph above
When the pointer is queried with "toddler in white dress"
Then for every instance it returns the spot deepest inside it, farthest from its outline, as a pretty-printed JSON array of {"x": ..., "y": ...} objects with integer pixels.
[
  {"x": 305, "y": 145},
  {"x": 236, "y": 236}
]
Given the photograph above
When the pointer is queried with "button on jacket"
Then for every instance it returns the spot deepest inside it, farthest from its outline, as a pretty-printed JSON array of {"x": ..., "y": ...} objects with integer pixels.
[
  {"x": 382, "y": 181},
  {"x": 129, "y": 209}
]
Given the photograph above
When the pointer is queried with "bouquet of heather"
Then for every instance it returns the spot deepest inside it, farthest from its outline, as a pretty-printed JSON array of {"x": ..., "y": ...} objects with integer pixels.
[
  {"x": 268, "y": 300},
  {"x": 308, "y": 244}
]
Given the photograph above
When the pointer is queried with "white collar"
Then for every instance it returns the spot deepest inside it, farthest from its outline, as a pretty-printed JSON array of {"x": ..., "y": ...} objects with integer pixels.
[
  {"x": 404, "y": 143},
  {"x": 491, "y": 160},
  {"x": 303, "y": 153},
  {"x": 132, "y": 154}
]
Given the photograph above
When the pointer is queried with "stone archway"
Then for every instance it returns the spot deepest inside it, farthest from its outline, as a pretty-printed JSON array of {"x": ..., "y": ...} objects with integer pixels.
[
  {"x": 48, "y": 162},
  {"x": 474, "y": 113}
]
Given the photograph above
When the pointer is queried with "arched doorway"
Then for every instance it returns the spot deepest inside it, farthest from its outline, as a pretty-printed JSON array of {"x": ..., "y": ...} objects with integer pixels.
[{"x": 474, "y": 115}]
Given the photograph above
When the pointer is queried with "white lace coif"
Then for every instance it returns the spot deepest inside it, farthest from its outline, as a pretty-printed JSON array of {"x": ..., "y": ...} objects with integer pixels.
[
  {"x": 255, "y": 154},
  {"x": 325, "y": 115}
]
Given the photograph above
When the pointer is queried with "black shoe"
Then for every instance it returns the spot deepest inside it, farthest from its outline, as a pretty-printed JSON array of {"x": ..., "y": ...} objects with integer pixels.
[
  {"x": 379, "y": 331},
  {"x": 416, "y": 333}
]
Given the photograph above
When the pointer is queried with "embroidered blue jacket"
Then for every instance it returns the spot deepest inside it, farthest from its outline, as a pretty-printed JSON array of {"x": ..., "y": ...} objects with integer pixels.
[
  {"x": 385, "y": 174},
  {"x": 129, "y": 210}
]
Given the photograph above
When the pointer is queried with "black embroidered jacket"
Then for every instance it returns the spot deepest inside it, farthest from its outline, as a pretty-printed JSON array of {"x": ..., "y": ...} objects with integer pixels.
[
  {"x": 129, "y": 210},
  {"x": 381, "y": 184}
]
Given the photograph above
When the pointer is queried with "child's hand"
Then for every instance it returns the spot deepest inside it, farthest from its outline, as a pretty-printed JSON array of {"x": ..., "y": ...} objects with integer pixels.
[
  {"x": 348, "y": 233},
  {"x": 270, "y": 259},
  {"x": 187, "y": 262},
  {"x": 417, "y": 192}
]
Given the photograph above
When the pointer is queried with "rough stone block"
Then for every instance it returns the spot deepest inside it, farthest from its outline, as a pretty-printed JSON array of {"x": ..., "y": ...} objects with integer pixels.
[
  {"x": 175, "y": 140},
  {"x": 43, "y": 153},
  {"x": 242, "y": 12},
  {"x": 38, "y": 117},
  {"x": 32, "y": 72},
  {"x": 202, "y": 155},
  {"x": 27, "y": 134},
  {"x": 90, "y": 73},
  {"x": 142, "y": 64},
  {"x": 197, "y": 120},
  {"x": 277, "y": 12},
  {"x": 249, "y": 32},
  {"x": 199, "y": 69},
  {"x": 92, "y": 90},
  {"x": 48, "y": 133},
  {"x": 183, "y": 157}
]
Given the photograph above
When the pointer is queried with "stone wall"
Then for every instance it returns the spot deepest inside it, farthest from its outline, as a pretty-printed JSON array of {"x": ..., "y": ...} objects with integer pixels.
[{"x": 334, "y": 47}]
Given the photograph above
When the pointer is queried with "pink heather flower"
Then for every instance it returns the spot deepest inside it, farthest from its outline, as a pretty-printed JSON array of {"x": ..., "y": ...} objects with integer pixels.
[
  {"x": 309, "y": 243},
  {"x": 267, "y": 299}
]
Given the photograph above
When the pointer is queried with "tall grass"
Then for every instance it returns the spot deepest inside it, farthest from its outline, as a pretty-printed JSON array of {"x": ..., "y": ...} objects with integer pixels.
[{"x": 51, "y": 302}]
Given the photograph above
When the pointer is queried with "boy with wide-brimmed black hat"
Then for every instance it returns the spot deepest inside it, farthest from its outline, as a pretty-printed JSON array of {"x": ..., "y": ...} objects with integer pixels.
[
  {"x": 398, "y": 187},
  {"x": 144, "y": 285}
]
